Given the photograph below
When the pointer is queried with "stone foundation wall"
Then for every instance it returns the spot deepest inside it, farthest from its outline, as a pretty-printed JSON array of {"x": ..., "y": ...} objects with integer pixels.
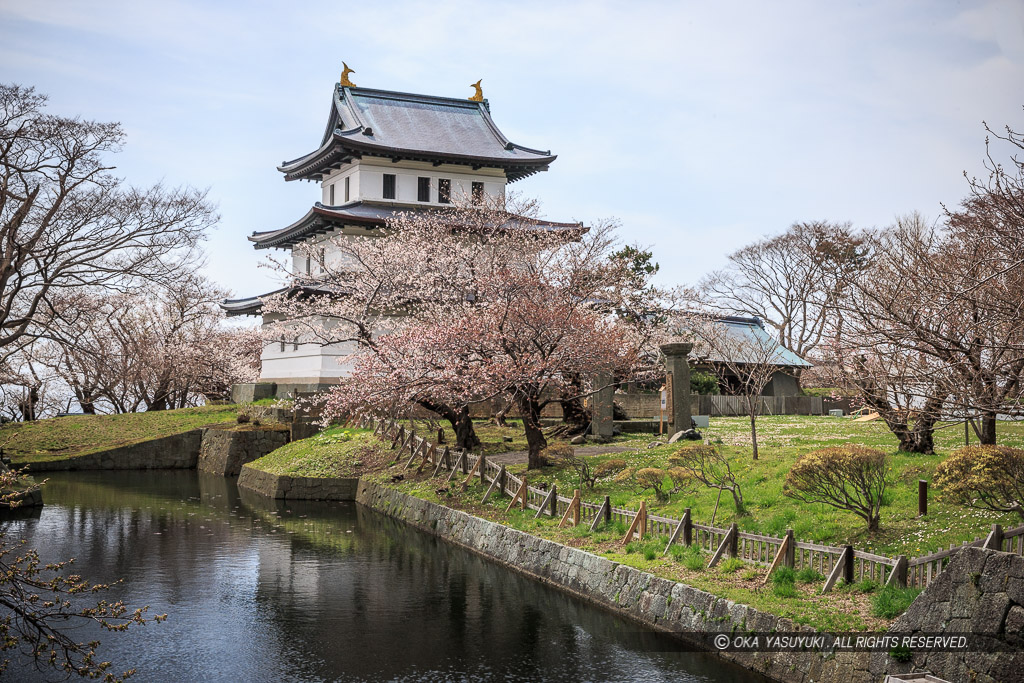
[
  {"x": 180, "y": 451},
  {"x": 296, "y": 488},
  {"x": 225, "y": 449},
  {"x": 979, "y": 592}
]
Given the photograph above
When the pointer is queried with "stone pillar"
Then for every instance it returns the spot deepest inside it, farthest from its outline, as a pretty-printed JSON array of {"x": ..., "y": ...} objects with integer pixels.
[
  {"x": 677, "y": 376},
  {"x": 602, "y": 406}
]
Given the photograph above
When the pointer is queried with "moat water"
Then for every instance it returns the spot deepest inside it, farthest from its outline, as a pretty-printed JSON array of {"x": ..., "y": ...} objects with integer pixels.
[{"x": 261, "y": 590}]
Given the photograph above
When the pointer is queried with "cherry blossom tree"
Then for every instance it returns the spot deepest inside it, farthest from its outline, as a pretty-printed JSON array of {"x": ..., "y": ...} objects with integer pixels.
[{"x": 453, "y": 307}]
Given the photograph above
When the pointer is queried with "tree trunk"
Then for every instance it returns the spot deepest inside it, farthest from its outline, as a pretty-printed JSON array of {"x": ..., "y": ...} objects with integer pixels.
[
  {"x": 529, "y": 406},
  {"x": 462, "y": 424},
  {"x": 988, "y": 428},
  {"x": 573, "y": 411},
  {"x": 753, "y": 426},
  {"x": 499, "y": 416}
]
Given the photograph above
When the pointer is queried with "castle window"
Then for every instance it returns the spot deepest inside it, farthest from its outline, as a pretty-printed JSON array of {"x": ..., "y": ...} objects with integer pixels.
[
  {"x": 323, "y": 260},
  {"x": 347, "y": 178},
  {"x": 295, "y": 346},
  {"x": 389, "y": 186},
  {"x": 309, "y": 265},
  {"x": 478, "y": 193},
  {"x": 282, "y": 343},
  {"x": 444, "y": 190},
  {"x": 423, "y": 194},
  {"x": 332, "y": 194}
]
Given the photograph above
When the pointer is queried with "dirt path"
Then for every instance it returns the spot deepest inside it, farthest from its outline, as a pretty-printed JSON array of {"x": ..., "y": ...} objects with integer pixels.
[{"x": 519, "y": 457}]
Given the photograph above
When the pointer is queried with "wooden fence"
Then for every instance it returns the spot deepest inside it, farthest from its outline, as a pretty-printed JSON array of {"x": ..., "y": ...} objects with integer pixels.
[{"x": 834, "y": 562}]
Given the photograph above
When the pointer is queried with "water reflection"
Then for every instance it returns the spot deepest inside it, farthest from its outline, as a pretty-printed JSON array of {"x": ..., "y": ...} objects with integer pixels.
[{"x": 260, "y": 590}]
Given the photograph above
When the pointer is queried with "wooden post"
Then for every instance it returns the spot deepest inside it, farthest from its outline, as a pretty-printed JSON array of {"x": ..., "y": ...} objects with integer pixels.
[
  {"x": 469, "y": 478},
  {"x": 464, "y": 461},
  {"x": 440, "y": 435},
  {"x": 922, "y": 497},
  {"x": 728, "y": 545},
  {"x": 399, "y": 435},
  {"x": 790, "y": 559},
  {"x": 603, "y": 511},
  {"x": 785, "y": 552},
  {"x": 842, "y": 570},
  {"x": 429, "y": 455},
  {"x": 414, "y": 450},
  {"x": 554, "y": 500},
  {"x": 552, "y": 495},
  {"x": 573, "y": 510},
  {"x": 459, "y": 464},
  {"x": 443, "y": 460},
  {"x": 898, "y": 575},
  {"x": 682, "y": 528},
  {"x": 608, "y": 509},
  {"x": 496, "y": 482},
  {"x": 994, "y": 540},
  {"x": 639, "y": 524},
  {"x": 520, "y": 495}
]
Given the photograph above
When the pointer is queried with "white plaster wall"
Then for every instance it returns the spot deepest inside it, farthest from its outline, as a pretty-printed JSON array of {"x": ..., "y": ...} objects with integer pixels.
[{"x": 367, "y": 181}]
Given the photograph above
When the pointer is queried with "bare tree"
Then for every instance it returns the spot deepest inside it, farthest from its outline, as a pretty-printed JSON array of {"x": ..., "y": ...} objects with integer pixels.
[
  {"x": 744, "y": 356},
  {"x": 66, "y": 222},
  {"x": 790, "y": 281}
]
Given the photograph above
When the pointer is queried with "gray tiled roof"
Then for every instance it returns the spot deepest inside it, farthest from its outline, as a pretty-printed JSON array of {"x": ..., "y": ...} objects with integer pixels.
[
  {"x": 749, "y": 334},
  {"x": 321, "y": 219},
  {"x": 418, "y": 127}
]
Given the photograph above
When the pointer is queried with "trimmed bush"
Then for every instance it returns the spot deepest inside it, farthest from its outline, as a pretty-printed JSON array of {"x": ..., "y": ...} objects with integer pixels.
[
  {"x": 984, "y": 477},
  {"x": 849, "y": 477},
  {"x": 609, "y": 467}
]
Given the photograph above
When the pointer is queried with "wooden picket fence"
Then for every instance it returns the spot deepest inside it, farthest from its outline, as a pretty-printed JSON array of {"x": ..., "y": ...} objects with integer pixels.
[{"x": 833, "y": 562}]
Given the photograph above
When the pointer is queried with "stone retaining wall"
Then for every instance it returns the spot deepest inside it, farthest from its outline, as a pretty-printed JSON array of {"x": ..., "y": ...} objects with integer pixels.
[
  {"x": 677, "y": 608},
  {"x": 179, "y": 451},
  {"x": 226, "y": 448},
  {"x": 979, "y": 592},
  {"x": 296, "y": 488}
]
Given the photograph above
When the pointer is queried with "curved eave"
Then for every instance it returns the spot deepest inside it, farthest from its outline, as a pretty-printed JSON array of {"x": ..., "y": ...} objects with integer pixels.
[
  {"x": 343, "y": 148},
  {"x": 248, "y": 306},
  {"x": 317, "y": 221},
  {"x": 320, "y": 220}
]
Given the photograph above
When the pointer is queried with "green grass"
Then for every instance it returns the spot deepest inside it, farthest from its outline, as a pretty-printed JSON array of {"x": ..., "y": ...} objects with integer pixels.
[
  {"x": 784, "y": 438},
  {"x": 495, "y": 439},
  {"x": 336, "y": 452},
  {"x": 890, "y": 602},
  {"x": 60, "y": 438}
]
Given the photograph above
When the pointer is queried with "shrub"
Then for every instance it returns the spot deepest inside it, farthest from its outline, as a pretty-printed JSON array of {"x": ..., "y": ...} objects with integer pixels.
[
  {"x": 730, "y": 565},
  {"x": 783, "y": 575},
  {"x": 849, "y": 477},
  {"x": 693, "y": 558},
  {"x": 809, "y": 575},
  {"x": 624, "y": 476},
  {"x": 984, "y": 477},
  {"x": 650, "y": 553},
  {"x": 891, "y": 601},
  {"x": 706, "y": 464},
  {"x": 556, "y": 452},
  {"x": 653, "y": 478},
  {"x": 703, "y": 382},
  {"x": 243, "y": 418},
  {"x": 609, "y": 467}
]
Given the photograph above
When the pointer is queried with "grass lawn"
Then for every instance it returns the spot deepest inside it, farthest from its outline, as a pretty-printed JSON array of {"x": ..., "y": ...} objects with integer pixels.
[
  {"x": 495, "y": 439},
  {"x": 64, "y": 437},
  {"x": 782, "y": 439},
  {"x": 336, "y": 452}
]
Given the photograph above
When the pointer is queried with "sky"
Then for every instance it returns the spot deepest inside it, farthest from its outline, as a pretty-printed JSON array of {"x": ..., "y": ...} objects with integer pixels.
[{"x": 700, "y": 126}]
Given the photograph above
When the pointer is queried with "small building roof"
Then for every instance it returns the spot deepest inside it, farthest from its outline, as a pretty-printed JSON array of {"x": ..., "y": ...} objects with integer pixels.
[
  {"x": 401, "y": 125},
  {"x": 750, "y": 330},
  {"x": 321, "y": 219}
]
